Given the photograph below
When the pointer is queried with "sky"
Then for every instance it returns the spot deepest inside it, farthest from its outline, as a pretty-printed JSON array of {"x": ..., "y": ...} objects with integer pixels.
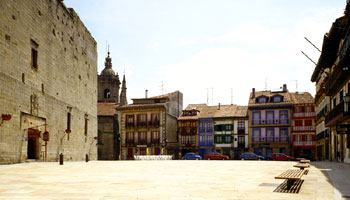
[{"x": 213, "y": 51}]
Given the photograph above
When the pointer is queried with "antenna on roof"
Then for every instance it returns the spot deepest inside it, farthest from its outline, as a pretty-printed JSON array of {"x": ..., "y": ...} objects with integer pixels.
[
  {"x": 265, "y": 84},
  {"x": 162, "y": 87},
  {"x": 212, "y": 96},
  {"x": 296, "y": 85},
  {"x": 207, "y": 96},
  {"x": 312, "y": 44},
  {"x": 231, "y": 97},
  {"x": 308, "y": 57}
]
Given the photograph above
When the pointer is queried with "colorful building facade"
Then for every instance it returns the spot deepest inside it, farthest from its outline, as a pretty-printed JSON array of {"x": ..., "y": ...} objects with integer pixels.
[
  {"x": 303, "y": 124},
  {"x": 188, "y": 129},
  {"x": 270, "y": 121}
]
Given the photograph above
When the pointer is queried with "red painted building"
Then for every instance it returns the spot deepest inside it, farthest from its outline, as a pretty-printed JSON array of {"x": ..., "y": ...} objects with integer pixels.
[
  {"x": 188, "y": 129},
  {"x": 303, "y": 124}
]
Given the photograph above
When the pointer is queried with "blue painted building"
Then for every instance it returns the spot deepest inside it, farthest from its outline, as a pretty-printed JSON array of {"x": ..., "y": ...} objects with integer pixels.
[
  {"x": 205, "y": 134},
  {"x": 206, "y": 131}
]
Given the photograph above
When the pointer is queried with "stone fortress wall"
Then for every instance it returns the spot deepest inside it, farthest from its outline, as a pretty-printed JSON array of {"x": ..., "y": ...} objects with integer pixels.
[{"x": 48, "y": 73}]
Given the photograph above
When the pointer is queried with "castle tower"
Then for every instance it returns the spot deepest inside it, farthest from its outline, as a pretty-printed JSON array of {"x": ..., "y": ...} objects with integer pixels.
[
  {"x": 108, "y": 83},
  {"x": 123, "y": 99}
]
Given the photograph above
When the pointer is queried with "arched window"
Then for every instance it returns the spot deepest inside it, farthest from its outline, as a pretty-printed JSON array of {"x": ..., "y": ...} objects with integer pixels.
[
  {"x": 277, "y": 98},
  {"x": 262, "y": 99},
  {"x": 107, "y": 94}
]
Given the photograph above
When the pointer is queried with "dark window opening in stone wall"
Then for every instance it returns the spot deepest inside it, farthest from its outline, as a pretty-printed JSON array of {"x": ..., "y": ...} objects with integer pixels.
[
  {"x": 34, "y": 58},
  {"x": 68, "y": 123},
  {"x": 86, "y": 127},
  {"x": 34, "y": 61},
  {"x": 107, "y": 94}
]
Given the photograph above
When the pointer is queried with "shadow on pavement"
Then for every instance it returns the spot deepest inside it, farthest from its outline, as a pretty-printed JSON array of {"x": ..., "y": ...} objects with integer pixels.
[
  {"x": 294, "y": 189},
  {"x": 338, "y": 175}
]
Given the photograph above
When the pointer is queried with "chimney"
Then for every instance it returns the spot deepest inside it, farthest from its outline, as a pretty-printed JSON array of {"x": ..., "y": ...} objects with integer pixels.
[
  {"x": 284, "y": 88},
  {"x": 253, "y": 93},
  {"x": 146, "y": 94},
  {"x": 219, "y": 107}
]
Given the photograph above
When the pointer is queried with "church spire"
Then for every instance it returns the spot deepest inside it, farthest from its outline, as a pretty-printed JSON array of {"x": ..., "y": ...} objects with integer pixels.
[
  {"x": 108, "y": 66},
  {"x": 123, "y": 99}
]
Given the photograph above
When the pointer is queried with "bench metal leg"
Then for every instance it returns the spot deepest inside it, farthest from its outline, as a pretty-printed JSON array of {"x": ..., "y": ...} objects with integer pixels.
[{"x": 290, "y": 183}]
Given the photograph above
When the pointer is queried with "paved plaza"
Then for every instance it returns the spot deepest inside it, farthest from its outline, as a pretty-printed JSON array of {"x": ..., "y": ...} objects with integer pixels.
[{"x": 169, "y": 180}]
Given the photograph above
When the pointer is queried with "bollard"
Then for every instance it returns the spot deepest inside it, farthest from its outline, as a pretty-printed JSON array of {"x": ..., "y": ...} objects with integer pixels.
[
  {"x": 61, "y": 159},
  {"x": 86, "y": 158}
]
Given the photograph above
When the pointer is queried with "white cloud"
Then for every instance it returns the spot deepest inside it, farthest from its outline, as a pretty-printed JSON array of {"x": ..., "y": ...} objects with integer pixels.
[
  {"x": 186, "y": 42},
  {"x": 245, "y": 58}
]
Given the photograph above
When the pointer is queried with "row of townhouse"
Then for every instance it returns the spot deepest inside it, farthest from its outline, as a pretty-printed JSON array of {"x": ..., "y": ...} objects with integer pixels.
[
  {"x": 332, "y": 79},
  {"x": 273, "y": 122},
  {"x": 203, "y": 129},
  {"x": 281, "y": 122}
]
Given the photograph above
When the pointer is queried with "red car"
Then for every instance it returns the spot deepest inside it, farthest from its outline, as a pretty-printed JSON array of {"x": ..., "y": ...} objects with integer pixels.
[
  {"x": 215, "y": 156},
  {"x": 280, "y": 156}
]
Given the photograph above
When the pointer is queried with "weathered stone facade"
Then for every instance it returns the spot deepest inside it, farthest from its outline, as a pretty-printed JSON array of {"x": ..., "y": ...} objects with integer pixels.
[{"x": 48, "y": 78}]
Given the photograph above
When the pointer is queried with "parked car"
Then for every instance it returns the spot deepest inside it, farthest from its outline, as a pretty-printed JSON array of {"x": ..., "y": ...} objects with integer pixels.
[
  {"x": 267, "y": 156},
  {"x": 251, "y": 156},
  {"x": 306, "y": 156},
  {"x": 280, "y": 156},
  {"x": 215, "y": 156},
  {"x": 191, "y": 156}
]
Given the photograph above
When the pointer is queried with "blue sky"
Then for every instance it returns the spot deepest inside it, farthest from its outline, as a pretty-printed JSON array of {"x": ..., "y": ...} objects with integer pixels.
[{"x": 208, "y": 48}]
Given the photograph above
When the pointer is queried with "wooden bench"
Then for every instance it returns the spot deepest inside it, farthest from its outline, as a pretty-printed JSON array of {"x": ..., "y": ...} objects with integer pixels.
[
  {"x": 302, "y": 165},
  {"x": 291, "y": 175},
  {"x": 304, "y": 161}
]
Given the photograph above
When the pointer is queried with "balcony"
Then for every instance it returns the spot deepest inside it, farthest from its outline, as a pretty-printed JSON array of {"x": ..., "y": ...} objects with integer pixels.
[
  {"x": 304, "y": 144},
  {"x": 188, "y": 144},
  {"x": 322, "y": 113},
  {"x": 270, "y": 139},
  {"x": 341, "y": 71},
  {"x": 270, "y": 121},
  {"x": 303, "y": 128},
  {"x": 141, "y": 124},
  {"x": 322, "y": 135},
  {"x": 304, "y": 114},
  {"x": 129, "y": 124},
  {"x": 130, "y": 143},
  {"x": 154, "y": 142},
  {"x": 142, "y": 142},
  {"x": 191, "y": 131},
  {"x": 337, "y": 114},
  {"x": 154, "y": 123}
]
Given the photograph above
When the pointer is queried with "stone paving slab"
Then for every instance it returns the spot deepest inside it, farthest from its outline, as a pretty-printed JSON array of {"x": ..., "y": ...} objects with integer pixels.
[{"x": 175, "y": 179}]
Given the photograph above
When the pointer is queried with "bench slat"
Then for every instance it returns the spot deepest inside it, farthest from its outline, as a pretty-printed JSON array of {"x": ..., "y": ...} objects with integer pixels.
[
  {"x": 304, "y": 165},
  {"x": 291, "y": 174}
]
